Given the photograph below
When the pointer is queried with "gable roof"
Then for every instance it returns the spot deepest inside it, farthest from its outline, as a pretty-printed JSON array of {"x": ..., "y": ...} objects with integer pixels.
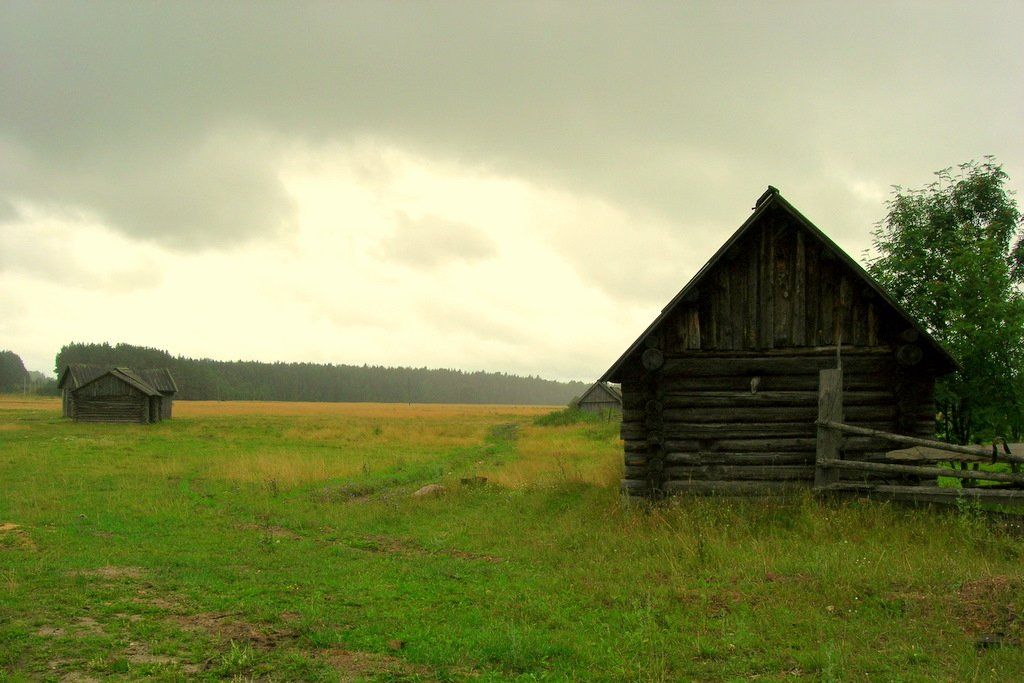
[
  {"x": 772, "y": 198},
  {"x": 611, "y": 392},
  {"x": 75, "y": 375},
  {"x": 160, "y": 381},
  {"x": 128, "y": 376}
]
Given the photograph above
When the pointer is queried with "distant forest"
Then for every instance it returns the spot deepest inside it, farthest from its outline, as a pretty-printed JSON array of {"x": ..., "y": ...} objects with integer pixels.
[{"x": 206, "y": 379}]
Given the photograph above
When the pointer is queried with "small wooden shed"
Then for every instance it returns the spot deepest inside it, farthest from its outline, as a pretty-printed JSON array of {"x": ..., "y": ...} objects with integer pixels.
[
  {"x": 601, "y": 397},
  {"x": 720, "y": 392},
  {"x": 93, "y": 393}
]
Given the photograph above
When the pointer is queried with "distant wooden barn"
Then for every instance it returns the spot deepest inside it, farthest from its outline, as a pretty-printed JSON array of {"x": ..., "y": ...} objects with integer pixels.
[
  {"x": 92, "y": 393},
  {"x": 720, "y": 391},
  {"x": 601, "y": 397}
]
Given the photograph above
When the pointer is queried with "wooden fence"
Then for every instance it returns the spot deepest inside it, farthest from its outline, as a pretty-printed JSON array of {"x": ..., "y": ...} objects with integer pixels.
[{"x": 836, "y": 474}]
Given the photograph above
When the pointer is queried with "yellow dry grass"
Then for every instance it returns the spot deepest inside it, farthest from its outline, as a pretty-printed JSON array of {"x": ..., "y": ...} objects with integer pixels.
[
  {"x": 379, "y": 410},
  {"x": 554, "y": 455},
  {"x": 23, "y": 402}
]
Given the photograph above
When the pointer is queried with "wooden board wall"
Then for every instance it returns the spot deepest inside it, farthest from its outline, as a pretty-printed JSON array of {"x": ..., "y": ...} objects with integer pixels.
[{"x": 778, "y": 287}]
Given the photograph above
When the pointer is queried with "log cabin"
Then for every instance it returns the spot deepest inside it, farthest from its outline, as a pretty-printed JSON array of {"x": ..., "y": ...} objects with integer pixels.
[
  {"x": 92, "y": 393},
  {"x": 720, "y": 392},
  {"x": 601, "y": 398}
]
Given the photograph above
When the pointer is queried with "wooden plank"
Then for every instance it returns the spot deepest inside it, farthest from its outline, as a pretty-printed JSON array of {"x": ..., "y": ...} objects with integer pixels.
[
  {"x": 778, "y": 365},
  {"x": 771, "y": 414},
  {"x": 750, "y": 322},
  {"x": 798, "y": 317},
  {"x": 921, "y": 454},
  {"x": 824, "y": 351},
  {"x": 734, "y": 488},
  {"x": 723, "y": 399},
  {"x": 723, "y": 309},
  {"x": 812, "y": 293},
  {"x": 809, "y": 382},
  {"x": 738, "y": 300},
  {"x": 930, "y": 494},
  {"x": 763, "y": 445},
  {"x": 706, "y": 309},
  {"x": 717, "y": 430},
  {"x": 782, "y": 285},
  {"x": 740, "y": 472},
  {"x": 827, "y": 300},
  {"x": 766, "y": 288},
  {"x": 718, "y": 458},
  {"x": 830, "y": 409},
  {"x": 858, "y": 317},
  {"x": 982, "y": 451},
  {"x": 924, "y": 471},
  {"x": 843, "y": 316}
]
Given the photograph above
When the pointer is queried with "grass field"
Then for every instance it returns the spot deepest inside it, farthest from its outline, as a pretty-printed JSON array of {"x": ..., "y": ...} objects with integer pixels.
[{"x": 281, "y": 541}]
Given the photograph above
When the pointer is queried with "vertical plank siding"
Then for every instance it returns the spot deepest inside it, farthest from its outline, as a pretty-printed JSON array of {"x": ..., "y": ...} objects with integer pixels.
[{"x": 783, "y": 289}]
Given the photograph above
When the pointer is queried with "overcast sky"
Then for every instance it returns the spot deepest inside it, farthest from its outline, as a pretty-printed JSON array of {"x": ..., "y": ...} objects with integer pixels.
[{"x": 517, "y": 187}]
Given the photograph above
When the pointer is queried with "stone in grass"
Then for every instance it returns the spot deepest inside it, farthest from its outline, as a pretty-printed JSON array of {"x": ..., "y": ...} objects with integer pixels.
[{"x": 429, "y": 491}]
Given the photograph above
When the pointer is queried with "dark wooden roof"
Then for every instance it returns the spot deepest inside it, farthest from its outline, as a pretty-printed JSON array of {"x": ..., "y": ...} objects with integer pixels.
[
  {"x": 772, "y": 198},
  {"x": 75, "y": 375},
  {"x": 150, "y": 382},
  {"x": 128, "y": 376},
  {"x": 610, "y": 391},
  {"x": 160, "y": 379}
]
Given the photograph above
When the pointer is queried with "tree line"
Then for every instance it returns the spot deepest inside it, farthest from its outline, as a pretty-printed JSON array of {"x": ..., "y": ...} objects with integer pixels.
[{"x": 206, "y": 379}]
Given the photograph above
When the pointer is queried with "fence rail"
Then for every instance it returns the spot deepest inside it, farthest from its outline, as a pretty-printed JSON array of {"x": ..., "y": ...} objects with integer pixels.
[{"x": 831, "y": 466}]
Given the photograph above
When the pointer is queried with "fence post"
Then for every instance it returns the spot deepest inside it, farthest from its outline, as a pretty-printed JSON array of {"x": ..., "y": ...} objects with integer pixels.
[{"x": 830, "y": 408}]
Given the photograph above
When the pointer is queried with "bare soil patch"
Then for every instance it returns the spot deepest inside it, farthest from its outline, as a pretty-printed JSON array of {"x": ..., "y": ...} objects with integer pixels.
[
  {"x": 272, "y": 531},
  {"x": 14, "y": 537},
  {"x": 114, "y": 573},
  {"x": 398, "y": 546},
  {"x": 228, "y": 626},
  {"x": 991, "y": 610},
  {"x": 354, "y": 666}
]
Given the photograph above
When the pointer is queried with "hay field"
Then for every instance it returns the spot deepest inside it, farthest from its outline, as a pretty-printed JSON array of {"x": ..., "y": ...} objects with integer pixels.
[{"x": 281, "y": 541}]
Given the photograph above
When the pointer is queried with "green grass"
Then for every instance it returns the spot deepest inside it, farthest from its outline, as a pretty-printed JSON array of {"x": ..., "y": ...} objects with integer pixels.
[{"x": 290, "y": 547}]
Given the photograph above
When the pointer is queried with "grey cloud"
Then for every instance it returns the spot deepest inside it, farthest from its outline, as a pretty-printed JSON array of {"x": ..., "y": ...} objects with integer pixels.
[
  {"x": 657, "y": 107},
  {"x": 214, "y": 191},
  {"x": 47, "y": 257},
  {"x": 430, "y": 241},
  {"x": 8, "y": 212}
]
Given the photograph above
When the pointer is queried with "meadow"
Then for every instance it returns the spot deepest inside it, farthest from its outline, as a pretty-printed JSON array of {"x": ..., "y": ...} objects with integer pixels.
[{"x": 282, "y": 541}]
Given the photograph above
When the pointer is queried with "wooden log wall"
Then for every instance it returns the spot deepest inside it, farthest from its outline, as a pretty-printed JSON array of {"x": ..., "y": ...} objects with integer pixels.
[
  {"x": 108, "y": 399},
  {"x": 747, "y": 418}
]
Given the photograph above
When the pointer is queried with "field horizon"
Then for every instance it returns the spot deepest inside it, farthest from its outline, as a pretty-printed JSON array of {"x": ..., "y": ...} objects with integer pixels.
[{"x": 247, "y": 540}]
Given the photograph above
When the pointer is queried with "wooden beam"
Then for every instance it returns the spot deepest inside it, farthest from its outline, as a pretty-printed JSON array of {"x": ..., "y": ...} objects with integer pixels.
[
  {"x": 981, "y": 451},
  {"x": 734, "y": 488},
  {"x": 930, "y": 494},
  {"x": 924, "y": 471},
  {"x": 830, "y": 409}
]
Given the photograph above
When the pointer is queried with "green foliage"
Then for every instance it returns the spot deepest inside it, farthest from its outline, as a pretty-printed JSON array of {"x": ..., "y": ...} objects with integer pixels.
[
  {"x": 206, "y": 379},
  {"x": 13, "y": 375},
  {"x": 952, "y": 254}
]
